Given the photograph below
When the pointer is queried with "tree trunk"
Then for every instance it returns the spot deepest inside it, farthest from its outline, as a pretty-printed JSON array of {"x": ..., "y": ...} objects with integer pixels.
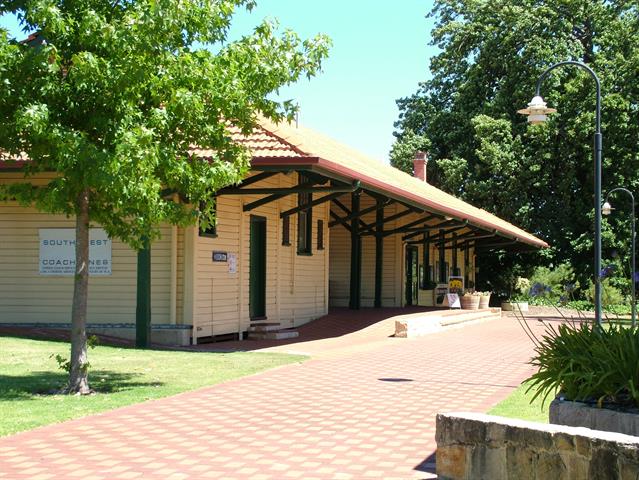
[{"x": 78, "y": 374}]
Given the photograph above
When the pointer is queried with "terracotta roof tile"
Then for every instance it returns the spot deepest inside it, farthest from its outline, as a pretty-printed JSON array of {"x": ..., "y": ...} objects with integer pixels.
[
  {"x": 285, "y": 144},
  {"x": 260, "y": 142},
  {"x": 346, "y": 161}
]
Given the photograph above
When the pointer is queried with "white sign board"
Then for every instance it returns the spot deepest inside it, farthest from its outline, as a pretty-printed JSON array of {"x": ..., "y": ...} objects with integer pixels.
[
  {"x": 232, "y": 260},
  {"x": 57, "y": 251},
  {"x": 453, "y": 300}
]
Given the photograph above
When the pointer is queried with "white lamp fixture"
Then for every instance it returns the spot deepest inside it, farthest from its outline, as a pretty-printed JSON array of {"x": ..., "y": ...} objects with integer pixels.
[
  {"x": 537, "y": 110},
  {"x": 606, "y": 209}
]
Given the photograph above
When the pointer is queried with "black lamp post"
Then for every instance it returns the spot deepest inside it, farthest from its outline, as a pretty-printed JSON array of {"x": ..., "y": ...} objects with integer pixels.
[
  {"x": 537, "y": 112},
  {"x": 606, "y": 209}
]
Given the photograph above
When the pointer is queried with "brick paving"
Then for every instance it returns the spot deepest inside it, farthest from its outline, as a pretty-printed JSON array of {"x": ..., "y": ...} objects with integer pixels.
[{"x": 365, "y": 414}]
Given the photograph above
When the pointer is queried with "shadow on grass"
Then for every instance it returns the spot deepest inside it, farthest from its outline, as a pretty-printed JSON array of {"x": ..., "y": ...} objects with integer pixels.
[{"x": 37, "y": 384}]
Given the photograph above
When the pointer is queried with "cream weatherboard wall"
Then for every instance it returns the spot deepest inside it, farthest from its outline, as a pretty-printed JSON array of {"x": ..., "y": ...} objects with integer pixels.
[
  {"x": 296, "y": 285},
  {"x": 27, "y": 296},
  {"x": 188, "y": 288},
  {"x": 340, "y": 260}
]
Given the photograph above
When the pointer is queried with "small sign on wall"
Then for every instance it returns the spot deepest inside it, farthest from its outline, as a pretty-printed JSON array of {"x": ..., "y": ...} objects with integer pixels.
[
  {"x": 57, "y": 251},
  {"x": 232, "y": 263},
  {"x": 220, "y": 256}
]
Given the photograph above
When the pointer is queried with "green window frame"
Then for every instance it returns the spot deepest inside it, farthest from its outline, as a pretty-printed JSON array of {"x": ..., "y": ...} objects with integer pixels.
[
  {"x": 304, "y": 219},
  {"x": 286, "y": 231},
  {"x": 320, "y": 234}
]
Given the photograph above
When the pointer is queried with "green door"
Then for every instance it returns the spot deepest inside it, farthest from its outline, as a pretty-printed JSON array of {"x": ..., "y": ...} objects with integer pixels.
[
  {"x": 257, "y": 268},
  {"x": 412, "y": 277}
]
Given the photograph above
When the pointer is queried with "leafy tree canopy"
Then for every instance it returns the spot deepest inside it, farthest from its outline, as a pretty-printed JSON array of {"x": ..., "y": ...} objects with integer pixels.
[
  {"x": 540, "y": 178},
  {"x": 112, "y": 95}
]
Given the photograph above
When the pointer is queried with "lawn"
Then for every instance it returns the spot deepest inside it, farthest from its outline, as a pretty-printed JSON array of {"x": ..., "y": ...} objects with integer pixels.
[
  {"x": 29, "y": 374},
  {"x": 518, "y": 405}
]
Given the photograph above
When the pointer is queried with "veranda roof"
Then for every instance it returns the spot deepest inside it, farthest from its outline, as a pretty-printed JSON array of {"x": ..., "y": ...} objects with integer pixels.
[{"x": 286, "y": 144}]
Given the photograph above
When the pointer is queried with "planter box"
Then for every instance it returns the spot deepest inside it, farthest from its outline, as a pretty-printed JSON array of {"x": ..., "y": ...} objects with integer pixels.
[
  {"x": 469, "y": 302},
  {"x": 578, "y": 414},
  {"x": 514, "y": 306},
  {"x": 484, "y": 300}
]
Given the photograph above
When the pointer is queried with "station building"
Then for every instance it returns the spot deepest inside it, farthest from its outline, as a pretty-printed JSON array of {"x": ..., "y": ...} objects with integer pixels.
[{"x": 314, "y": 225}]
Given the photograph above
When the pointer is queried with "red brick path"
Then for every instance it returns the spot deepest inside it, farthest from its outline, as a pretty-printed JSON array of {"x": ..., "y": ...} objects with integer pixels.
[{"x": 367, "y": 414}]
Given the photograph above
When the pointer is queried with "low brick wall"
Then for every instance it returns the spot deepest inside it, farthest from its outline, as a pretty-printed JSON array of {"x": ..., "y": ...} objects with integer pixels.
[{"x": 477, "y": 446}]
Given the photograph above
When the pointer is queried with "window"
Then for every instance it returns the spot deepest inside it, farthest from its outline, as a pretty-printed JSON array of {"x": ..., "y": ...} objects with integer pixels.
[
  {"x": 286, "y": 231},
  {"x": 320, "y": 234},
  {"x": 304, "y": 219},
  {"x": 211, "y": 230}
]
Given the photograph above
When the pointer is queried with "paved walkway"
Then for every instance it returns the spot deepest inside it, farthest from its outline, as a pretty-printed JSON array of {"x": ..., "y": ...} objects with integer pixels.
[{"x": 368, "y": 414}]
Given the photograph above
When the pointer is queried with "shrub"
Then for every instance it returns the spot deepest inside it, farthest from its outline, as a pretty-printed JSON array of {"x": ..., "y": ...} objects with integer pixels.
[
  {"x": 610, "y": 295},
  {"x": 589, "y": 364},
  {"x": 554, "y": 278}
]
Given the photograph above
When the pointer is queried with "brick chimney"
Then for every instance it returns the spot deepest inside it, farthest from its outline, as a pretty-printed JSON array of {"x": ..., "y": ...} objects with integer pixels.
[{"x": 419, "y": 165}]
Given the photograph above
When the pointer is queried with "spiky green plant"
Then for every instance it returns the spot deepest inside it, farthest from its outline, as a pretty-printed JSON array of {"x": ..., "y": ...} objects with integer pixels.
[{"x": 587, "y": 363}]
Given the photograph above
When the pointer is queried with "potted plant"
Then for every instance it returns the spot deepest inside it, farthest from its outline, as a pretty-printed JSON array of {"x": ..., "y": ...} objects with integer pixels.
[
  {"x": 517, "y": 302},
  {"x": 599, "y": 388},
  {"x": 484, "y": 299},
  {"x": 470, "y": 301}
]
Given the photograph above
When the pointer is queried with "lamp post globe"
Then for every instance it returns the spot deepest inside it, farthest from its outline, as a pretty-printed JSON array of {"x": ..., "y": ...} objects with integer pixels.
[
  {"x": 537, "y": 111},
  {"x": 606, "y": 208}
]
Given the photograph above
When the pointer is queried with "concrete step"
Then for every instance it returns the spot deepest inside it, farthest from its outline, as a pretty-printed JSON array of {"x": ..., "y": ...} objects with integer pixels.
[
  {"x": 264, "y": 327},
  {"x": 469, "y": 316},
  {"x": 278, "y": 335},
  {"x": 416, "y": 325}
]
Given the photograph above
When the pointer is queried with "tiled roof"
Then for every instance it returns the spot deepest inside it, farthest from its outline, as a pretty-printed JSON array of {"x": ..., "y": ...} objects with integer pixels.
[
  {"x": 260, "y": 142},
  {"x": 340, "y": 159},
  {"x": 286, "y": 144}
]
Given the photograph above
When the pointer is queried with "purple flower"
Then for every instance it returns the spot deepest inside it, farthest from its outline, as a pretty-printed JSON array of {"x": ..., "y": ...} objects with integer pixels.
[
  {"x": 606, "y": 272},
  {"x": 569, "y": 287},
  {"x": 539, "y": 290}
]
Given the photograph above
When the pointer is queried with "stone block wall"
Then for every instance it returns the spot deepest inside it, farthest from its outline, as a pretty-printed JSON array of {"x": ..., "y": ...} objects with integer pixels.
[{"x": 476, "y": 446}]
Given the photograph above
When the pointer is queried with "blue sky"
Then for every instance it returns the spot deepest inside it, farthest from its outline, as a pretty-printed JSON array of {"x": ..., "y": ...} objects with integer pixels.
[{"x": 380, "y": 53}]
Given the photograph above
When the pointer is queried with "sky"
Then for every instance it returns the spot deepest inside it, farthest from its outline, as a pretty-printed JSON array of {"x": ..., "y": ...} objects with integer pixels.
[{"x": 380, "y": 53}]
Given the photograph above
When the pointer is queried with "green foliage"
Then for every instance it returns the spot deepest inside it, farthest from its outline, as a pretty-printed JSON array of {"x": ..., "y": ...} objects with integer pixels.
[
  {"x": 111, "y": 96},
  {"x": 556, "y": 278},
  {"x": 64, "y": 363},
  {"x": 586, "y": 363},
  {"x": 610, "y": 295},
  {"x": 540, "y": 178},
  {"x": 403, "y": 153}
]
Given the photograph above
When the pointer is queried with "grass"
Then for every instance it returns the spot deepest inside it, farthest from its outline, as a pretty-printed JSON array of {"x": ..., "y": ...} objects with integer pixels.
[
  {"x": 120, "y": 376},
  {"x": 518, "y": 405}
]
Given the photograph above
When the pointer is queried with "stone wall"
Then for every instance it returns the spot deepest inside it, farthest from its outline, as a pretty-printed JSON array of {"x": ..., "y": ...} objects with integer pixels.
[{"x": 477, "y": 446}]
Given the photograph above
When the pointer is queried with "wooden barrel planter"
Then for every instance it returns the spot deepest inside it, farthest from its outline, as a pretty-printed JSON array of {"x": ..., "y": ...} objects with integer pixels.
[
  {"x": 484, "y": 300},
  {"x": 469, "y": 302}
]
